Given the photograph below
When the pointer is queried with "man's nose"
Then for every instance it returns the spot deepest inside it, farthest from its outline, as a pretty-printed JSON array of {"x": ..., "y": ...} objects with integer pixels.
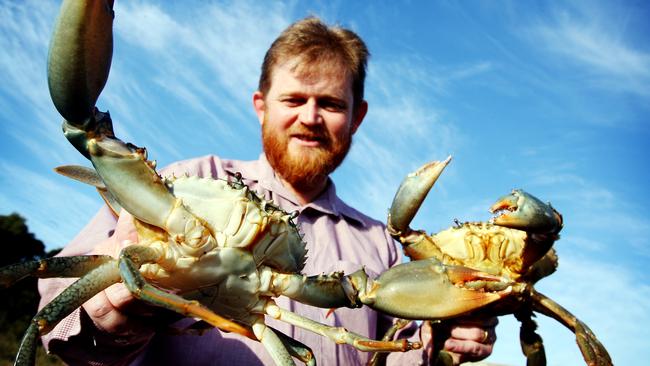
[{"x": 310, "y": 113}]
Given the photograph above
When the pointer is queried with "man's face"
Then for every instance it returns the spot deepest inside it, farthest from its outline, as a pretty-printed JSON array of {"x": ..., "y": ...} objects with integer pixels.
[{"x": 307, "y": 123}]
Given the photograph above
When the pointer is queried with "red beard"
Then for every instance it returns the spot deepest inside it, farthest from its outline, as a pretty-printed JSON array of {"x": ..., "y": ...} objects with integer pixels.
[{"x": 314, "y": 165}]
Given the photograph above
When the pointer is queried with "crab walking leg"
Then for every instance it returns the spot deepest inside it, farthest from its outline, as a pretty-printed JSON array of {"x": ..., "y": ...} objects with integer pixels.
[
  {"x": 273, "y": 344},
  {"x": 390, "y": 333},
  {"x": 132, "y": 257},
  {"x": 71, "y": 298},
  {"x": 52, "y": 267},
  {"x": 296, "y": 349},
  {"x": 532, "y": 344},
  {"x": 339, "y": 335},
  {"x": 592, "y": 350}
]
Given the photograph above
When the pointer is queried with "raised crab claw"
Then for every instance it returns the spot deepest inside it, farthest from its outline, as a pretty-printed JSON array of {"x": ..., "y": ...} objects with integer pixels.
[{"x": 505, "y": 257}]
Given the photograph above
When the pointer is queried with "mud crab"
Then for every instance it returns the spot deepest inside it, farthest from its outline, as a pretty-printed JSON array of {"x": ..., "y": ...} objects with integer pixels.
[
  {"x": 205, "y": 241},
  {"x": 515, "y": 246}
]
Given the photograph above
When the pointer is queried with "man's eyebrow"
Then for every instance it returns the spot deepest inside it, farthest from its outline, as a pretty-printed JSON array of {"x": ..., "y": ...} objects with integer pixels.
[{"x": 323, "y": 96}]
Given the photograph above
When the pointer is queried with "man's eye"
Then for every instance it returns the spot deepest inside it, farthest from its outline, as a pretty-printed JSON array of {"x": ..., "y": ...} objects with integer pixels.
[
  {"x": 332, "y": 105},
  {"x": 293, "y": 101}
]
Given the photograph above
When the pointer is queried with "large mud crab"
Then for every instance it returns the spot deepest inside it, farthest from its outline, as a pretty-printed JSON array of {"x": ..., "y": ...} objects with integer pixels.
[
  {"x": 516, "y": 247},
  {"x": 206, "y": 241}
]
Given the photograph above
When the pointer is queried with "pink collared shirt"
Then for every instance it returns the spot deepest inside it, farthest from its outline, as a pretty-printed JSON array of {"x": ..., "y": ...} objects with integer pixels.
[{"x": 338, "y": 237}]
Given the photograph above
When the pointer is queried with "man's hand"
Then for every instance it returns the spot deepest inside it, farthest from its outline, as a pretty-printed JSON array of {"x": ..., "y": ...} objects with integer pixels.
[
  {"x": 470, "y": 339},
  {"x": 115, "y": 311}
]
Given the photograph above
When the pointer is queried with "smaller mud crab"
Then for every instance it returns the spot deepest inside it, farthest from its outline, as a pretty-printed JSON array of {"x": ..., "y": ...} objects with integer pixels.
[{"x": 511, "y": 252}]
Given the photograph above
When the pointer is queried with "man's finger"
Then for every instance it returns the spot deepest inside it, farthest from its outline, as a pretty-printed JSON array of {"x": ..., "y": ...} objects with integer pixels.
[
  {"x": 465, "y": 350},
  {"x": 472, "y": 333}
]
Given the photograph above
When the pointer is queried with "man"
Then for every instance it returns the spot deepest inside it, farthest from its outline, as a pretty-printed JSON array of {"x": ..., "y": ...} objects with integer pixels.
[{"x": 309, "y": 104}]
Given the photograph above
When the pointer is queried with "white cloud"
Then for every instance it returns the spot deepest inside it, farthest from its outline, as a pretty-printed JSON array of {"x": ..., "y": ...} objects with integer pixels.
[
  {"x": 588, "y": 38},
  {"x": 229, "y": 41}
]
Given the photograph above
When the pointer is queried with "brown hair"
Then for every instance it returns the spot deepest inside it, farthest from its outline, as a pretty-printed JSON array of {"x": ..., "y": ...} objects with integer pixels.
[{"x": 318, "y": 46}]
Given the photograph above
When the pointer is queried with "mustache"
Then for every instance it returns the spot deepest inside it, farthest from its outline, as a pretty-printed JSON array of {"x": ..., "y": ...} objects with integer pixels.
[{"x": 315, "y": 132}]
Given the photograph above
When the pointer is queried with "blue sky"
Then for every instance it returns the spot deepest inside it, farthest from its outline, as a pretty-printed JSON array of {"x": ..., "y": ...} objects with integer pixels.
[{"x": 551, "y": 97}]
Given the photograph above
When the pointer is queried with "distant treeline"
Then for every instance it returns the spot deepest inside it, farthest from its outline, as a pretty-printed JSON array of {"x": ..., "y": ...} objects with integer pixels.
[{"x": 19, "y": 303}]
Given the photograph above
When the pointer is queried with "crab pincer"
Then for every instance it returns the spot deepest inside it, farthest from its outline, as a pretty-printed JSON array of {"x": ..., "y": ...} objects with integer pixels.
[
  {"x": 80, "y": 57},
  {"x": 428, "y": 289},
  {"x": 523, "y": 211},
  {"x": 411, "y": 193}
]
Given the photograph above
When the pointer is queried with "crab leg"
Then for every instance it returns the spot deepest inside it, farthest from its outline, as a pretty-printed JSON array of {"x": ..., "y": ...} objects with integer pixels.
[
  {"x": 531, "y": 343},
  {"x": 296, "y": 349},
  {"x": 51, "y": 267},
  {"x": 273, "y": 343},
  {"x": 592, "y": 350},
  {"x": 104, "y": 273},
  {"x": 338, "y": 334},
  {"x": 132, "y": 257},
  {"x": 427, "y": 289},
  {"x": 390, "y": 333}
]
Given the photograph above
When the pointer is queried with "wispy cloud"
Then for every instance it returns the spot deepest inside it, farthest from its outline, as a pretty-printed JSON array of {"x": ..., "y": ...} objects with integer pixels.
[
  {"x": 587, "y": 37},
  {"x": 203, "y": 60},
  {"x": 608, "y": 220},
  {"x": 404, "y": 129},
  {"x": 24, "y": 39}
]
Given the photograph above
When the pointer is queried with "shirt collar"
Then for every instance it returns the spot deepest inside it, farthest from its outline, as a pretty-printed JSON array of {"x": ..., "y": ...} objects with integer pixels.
[{"x": 327, "y": 202}]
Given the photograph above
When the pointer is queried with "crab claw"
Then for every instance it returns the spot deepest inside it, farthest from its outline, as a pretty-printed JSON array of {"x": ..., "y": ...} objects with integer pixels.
[
  {"x": 411, "y": 193},
  {"x": 80, "y": 57},
  {"x": 523, "y": 211},
  {"x": 427, "y": 289}
]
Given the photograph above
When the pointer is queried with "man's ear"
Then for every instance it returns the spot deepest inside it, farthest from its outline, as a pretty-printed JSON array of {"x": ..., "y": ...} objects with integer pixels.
[
  {"x": 359, "y": 114},
  {"x": 259, "y": 105}
]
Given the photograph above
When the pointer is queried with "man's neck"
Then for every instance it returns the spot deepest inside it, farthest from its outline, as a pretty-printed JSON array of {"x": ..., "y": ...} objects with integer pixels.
[{"x": 305, "y": 196}]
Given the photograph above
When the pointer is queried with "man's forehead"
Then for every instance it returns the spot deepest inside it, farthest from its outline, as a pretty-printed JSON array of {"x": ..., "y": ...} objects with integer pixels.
[{"x": 316, "y": 70}]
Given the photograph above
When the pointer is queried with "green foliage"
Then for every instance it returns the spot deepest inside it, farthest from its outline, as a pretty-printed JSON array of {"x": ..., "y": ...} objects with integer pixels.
[
  {"x": 19, "y": 302},
  {"x": 18, "y": 243}
]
